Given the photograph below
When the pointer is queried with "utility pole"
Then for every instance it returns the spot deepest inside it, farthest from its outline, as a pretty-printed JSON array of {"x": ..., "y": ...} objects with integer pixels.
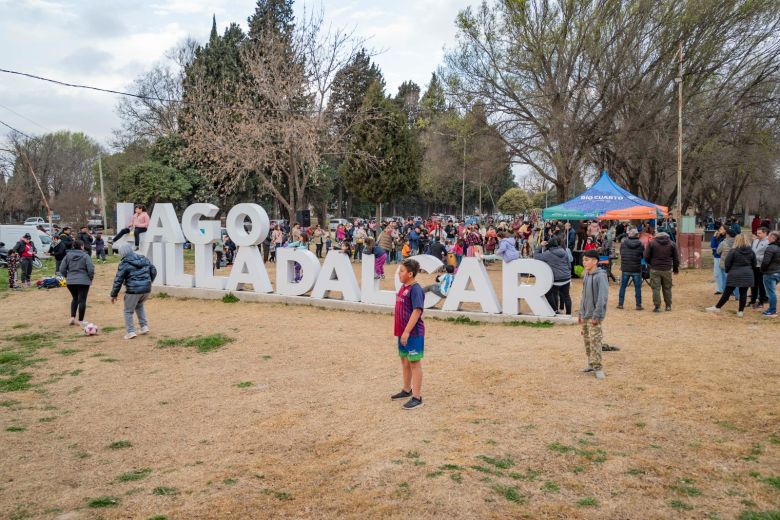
[
  {"x": 38, "y": 183},
  {"x": 102, "y": 194},
  {"x": 679, "y": 80},
  {"x": 463, "y": 186}
]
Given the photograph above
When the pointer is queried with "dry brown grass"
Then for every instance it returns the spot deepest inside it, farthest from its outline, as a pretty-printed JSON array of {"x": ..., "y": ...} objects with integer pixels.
[{"x": 688, "y": 413}]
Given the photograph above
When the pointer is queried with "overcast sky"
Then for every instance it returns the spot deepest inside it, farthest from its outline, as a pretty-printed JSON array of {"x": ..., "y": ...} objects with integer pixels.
[{"x": 107, "y": 43}]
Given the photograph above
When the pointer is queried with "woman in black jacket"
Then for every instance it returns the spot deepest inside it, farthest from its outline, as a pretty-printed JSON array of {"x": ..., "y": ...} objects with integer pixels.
[{"x": 739, "y": 273}]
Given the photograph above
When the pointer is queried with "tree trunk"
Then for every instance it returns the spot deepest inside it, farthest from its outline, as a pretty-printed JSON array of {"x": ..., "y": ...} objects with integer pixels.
[{"x": 349, "y": 206}]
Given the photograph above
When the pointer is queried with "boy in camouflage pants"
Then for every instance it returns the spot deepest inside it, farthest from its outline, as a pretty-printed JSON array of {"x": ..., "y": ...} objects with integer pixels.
[{"x": 593, "y": 310}]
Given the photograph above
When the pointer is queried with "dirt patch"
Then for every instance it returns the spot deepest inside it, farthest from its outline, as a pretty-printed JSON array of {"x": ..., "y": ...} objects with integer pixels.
[{"x": 291, "y": 417}]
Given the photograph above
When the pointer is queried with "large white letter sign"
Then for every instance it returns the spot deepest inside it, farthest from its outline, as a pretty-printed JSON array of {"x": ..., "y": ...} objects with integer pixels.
[
  {"x": 155, "y": 252},
  {"x": 471, "y": 268},
  {"x": 200, "y": 231},
  {"x": 248, "y": 267},
  {"x": 429, "y": 264},
  {"x": 124, "y": 214},
  {"x": 164, "y": 225},
  {"x": 369, "y": 287},
  {"x": 533, "y": 294},
  {"x": 337, "y": 275},
  {"x": 285, "y": 271},
  {"x": 235, "y": 224},
  {"x": 174, "y": 266},
  {"x": 204, "y": 268}
]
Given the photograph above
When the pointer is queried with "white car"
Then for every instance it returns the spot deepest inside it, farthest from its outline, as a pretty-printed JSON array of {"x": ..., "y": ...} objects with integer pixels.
[
  {"x": 335, "y": 222},
  {"x": 34, "y": 221}
]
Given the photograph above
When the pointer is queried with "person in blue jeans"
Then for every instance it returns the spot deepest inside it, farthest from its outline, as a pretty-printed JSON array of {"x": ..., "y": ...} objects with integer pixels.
[
  {"x": 770, "y": 270},
  {"x": 720, "y": 276},
  {"x": 631, "y": 256}
]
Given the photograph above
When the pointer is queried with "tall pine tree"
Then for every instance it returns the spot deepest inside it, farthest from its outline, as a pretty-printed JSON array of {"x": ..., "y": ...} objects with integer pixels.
[{"x": 383, "y": 159}]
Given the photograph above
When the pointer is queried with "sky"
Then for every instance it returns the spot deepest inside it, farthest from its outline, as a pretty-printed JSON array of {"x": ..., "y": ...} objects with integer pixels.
[{"x": 108, "y": 43}]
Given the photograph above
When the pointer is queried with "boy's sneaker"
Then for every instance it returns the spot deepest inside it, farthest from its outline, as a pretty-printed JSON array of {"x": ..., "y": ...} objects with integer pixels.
[
  {"x": 640, "y": 308},
  {"x": 403, "y": 394},
  {"x": 668, "y": 308},
  {"x": 740, "y": 314},
  {"x": 144, "y": 329},
  {"x": 656, "y": 309},
  {"x": 130, "y": 335},
  {"x": 609, "y": 348},
  {"x": 413, "y": 403},
  {"x": 600, "y": 374},
  {"x": 769, "y": 314},
  {"x": 588, "y": 369},
  {"x": 712, "y": 309},
  {"x": 620, "y": 306}
]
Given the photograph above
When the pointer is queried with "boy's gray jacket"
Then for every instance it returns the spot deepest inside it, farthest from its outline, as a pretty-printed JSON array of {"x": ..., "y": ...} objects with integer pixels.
[{"x": 595, "y": 291}]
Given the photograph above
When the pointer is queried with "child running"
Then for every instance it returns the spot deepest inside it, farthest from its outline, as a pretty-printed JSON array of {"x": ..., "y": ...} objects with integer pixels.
[
  {"x": 410, "y": 331},
  {"x": 593, "y": 310}
]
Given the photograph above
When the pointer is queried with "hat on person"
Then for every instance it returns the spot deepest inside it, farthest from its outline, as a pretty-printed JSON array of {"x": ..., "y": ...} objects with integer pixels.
[
  {"x": 26, "y": 235},
  {"x": 592, "y": 253},
  {"x": 125, "y": 250}
]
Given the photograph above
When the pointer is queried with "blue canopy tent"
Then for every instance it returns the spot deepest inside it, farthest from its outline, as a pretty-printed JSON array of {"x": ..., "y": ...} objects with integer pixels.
[{"x": 605, "y": 200}]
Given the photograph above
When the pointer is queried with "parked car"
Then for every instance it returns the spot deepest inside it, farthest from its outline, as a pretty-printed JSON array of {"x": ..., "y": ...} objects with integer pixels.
[
  {"x": 12, "y": 233},
  {"x": 335, "y": 222},
  {"x": 34, "y": 221}
]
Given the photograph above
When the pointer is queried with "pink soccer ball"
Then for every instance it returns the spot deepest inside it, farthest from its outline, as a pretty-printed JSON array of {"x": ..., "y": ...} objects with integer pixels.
[{"x": 90, "y": 329}]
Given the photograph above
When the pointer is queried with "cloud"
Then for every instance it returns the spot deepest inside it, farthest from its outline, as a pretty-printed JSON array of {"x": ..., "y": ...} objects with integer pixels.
[{"x": 86, "y": 60}]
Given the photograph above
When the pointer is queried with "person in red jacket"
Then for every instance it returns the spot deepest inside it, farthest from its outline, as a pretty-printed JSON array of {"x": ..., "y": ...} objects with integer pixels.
[{"x": 139, "y": 224}]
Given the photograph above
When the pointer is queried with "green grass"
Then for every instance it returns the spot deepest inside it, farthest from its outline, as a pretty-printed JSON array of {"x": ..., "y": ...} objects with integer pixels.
[
  {"x": 104, "y": 501},
  {"x": 244, "y": 384},
  {"x": 230, "y": 481},
  {"x": 201, "y": 343},
  {"x": 165, "y": 491},
  {"x": 509, "y": 492},
  {"x": 760, "y": 515},
  {"x": 456, "y": 477},
  {"x": 15, "y": 429},
  {"x": 530, "y": 324},
  {"x": 68, "y": 351},
  {"x": 434, "y": 474},
  {"x": 530, "y": 475},
  {"x": 162, "y": 295},
  {"x": 158, "y": 517},
  {"x": 488, "y": 471},
  {"x": 499, "y": 463},
  {"x": 20, "y": 326},
  {"x": 119, "y": 445},
  {"x": 8, "y": 403},
  {"x": 136, "y": 474},
  {"x": 551, "y": 487},
  {"x": 685, "y": 487},
  {"x": 559, "y": 448},
  {"x": 450, "y": 467},
  {"x": 230, "y": 298},
  {"x": 680, "y": 505},
  {"x": 755, "y": 450},
  {"x": 588, "y": 502},
  {"x": 110, "y": 328},
  {"x": 635, "y": 472},
  {"x": 16, "y": 383}
]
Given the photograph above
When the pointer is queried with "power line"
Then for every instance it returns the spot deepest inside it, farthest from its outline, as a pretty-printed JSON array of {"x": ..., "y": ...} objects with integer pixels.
[
  {"x": 24, "y": 117},
  {"x": 14, "y": 129}
]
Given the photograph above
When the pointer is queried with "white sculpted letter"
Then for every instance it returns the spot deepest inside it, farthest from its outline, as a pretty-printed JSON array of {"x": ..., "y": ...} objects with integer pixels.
[
  {"x": 429, "y": 264},
  {"x": 337, "y": 275},
  {"x": 285, "y": 271},
  {"x": 369, "y": 288},
  {"x": 533, "y": 294},
  {"x": 471, "y": 268},
  {"x": 164, "y": 225}
]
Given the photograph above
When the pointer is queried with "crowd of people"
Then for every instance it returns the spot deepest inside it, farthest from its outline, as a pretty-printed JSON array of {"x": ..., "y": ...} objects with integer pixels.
[{"x": 745, "y": 263}]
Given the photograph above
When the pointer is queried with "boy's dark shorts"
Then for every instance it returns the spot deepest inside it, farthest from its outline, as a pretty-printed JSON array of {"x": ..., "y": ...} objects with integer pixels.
[{"x": 414, "y": 349}]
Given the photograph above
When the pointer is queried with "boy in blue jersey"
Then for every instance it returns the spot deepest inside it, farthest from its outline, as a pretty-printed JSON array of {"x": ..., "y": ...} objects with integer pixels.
[{"x": 410, "y": 331}]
